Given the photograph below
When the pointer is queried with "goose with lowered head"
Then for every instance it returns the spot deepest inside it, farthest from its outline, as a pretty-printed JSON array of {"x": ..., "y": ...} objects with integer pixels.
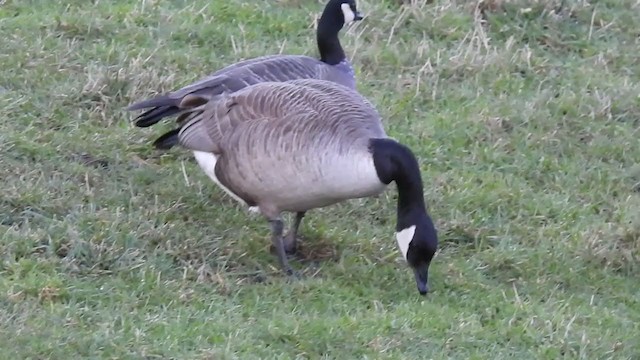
[{"x": 302, "y": 144}]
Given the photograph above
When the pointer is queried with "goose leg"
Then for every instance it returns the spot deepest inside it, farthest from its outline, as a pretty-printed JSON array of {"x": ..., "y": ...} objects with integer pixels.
[
  {"x": 277, "y": 228},
  {"x": 290, "y": 241}
]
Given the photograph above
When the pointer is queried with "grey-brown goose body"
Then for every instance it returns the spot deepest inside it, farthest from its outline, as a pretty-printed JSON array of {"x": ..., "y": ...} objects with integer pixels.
[
  {"x": 242, "y": 74},
  {"x": 289, "y": 146}
]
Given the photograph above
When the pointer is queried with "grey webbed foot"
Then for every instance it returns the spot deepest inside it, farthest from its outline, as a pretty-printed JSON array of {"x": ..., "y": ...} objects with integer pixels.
[
  {"x": 290, "y": 241},
  {"x": 290, "y": 244},
  {"x": 278, "y": 245}
]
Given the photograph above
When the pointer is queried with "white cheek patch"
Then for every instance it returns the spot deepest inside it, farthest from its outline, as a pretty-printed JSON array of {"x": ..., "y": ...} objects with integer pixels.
[
  {"x": 347, "y": 13},
  {"x": 404, "y": 237}
]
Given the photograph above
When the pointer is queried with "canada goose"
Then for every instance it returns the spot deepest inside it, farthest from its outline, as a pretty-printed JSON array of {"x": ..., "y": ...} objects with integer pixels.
[
  {"x": 333, "y": 65},
  {"x": 303, "y": 144}
]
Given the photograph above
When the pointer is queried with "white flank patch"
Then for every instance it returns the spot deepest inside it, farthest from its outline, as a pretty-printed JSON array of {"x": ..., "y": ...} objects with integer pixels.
[
  {"x": 254, "y": 209},
  {"x": 207, "y": 162},
  {"x": 347, "y": 13},
  {"x": 404, "y": 237}
]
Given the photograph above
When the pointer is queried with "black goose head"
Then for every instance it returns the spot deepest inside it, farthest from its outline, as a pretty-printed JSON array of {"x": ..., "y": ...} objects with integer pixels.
[
  {"x": 350, "y": 11},
  {"x": 418, "y": 241},
  {"x": 415, "y": 232},
  {"x": 340, "y": 13},
  {"x": 336, "y": 14}
]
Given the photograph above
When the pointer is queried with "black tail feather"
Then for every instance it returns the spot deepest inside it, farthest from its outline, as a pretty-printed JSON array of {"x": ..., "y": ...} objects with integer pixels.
[
  {"x": 154, "y": 115},
  {"x": 168, "y": 140},
  {"x": 162, "y": 100}
]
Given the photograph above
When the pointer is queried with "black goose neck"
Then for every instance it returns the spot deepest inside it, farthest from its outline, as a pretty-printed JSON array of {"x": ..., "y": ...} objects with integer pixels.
[
  {"x": 329, "y": 25},
  {"x": 396, "y": 162}
]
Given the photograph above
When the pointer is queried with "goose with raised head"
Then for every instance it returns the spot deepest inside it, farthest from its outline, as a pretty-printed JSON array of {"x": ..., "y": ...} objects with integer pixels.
[
  {"x": 298, "y": 145},
  {"x": 332, "y": 65}
]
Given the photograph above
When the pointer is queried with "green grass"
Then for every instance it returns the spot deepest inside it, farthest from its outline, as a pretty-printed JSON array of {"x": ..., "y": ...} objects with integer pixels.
[{"x": 525, "y": 120}]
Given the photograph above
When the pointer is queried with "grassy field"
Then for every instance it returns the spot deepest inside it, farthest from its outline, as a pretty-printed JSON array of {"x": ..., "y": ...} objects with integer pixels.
[{"x": 525, "y": 116}]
